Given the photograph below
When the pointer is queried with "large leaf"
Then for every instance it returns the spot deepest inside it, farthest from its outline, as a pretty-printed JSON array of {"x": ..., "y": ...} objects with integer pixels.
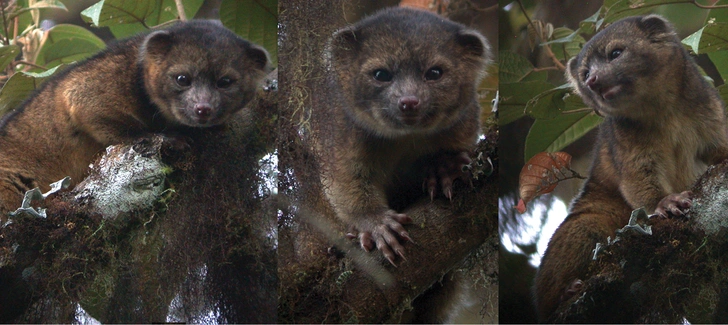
[
  {"x": 128, "y": 17},
  {"x": 552, "y": 135},
  {"x": 19, "y": 87},
  {"x": 254, "y": 20},
  {"x": 710, "y": 38},
  {"x": 66, "y": 44},
  {"x": 515, "y": 68},
  {"x": 515, "y": 96}
]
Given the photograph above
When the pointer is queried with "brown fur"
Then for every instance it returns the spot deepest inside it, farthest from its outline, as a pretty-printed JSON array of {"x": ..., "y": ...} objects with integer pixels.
[
  {"x": 662, "y": 129},
  {"x": 376, "y": 149},
  {"x": 125, "y": 92}
]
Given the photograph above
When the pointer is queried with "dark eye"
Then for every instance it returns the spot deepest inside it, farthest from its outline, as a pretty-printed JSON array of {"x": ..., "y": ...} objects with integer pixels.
[
  {"x": 433, "y": 73},
  {"x": 382, "y": 75},
  {"x": 586, "y": 74},
  {"x": 183, "y": 80},
  {"x": 224, "y": 82},
  {"x": 614, "y": 54}
]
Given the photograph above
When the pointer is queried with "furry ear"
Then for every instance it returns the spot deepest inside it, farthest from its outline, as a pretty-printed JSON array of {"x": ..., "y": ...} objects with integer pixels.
[
  {"x": 259, "y": 56},
  {"x": 343, "y": 43},
  {"x": 657, "y": 28},
  {"x": 155, "y": 46},
  {"x": 474, "y": 44},
  {"x": 572, "y": 72}
]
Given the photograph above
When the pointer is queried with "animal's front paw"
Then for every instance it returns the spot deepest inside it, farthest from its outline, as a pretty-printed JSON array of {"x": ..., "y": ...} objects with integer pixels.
[
  {"x": 674, "y": 205},
  {"x": 384, "y": 232},
  {"x": 446, "y": 168},
  {"x": 572, "y": 289},
  {"x": 176, "y": 143}
]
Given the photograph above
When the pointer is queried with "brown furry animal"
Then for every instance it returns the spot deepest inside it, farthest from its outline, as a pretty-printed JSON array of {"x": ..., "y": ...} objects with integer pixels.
[
  {"x": 664, "y": 124},
  {"x": 405, "y": 103},
  {"x": 194, "y": 74}
]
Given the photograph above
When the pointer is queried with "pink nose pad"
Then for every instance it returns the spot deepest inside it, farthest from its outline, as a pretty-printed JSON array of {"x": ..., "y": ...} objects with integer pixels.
[
  {"x": 408, "y": 103},
  {"x": 203, "y": 110},
  {"x": 592, "y": 82}
]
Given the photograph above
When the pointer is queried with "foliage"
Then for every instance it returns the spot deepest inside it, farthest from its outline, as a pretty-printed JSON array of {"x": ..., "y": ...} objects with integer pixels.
[
  {"x": 29, "y": 54},
  {"x": 560, "y": 116},
  {"x": 541, "y": 175}
]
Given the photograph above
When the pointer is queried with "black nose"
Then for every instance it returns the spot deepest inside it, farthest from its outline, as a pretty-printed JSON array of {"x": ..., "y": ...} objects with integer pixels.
[{"x": 409, "y": 103}]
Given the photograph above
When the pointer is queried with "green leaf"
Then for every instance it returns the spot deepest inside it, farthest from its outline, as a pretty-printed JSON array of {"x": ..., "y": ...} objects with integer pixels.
[
  {"x": 115, "y": 12},
  {"x": 548, "y": 104},
  {"x": 516, "y": 68},
  {"x": 19, "y": 87},
  {"x": 566, "y": 43},
  {"x": 711, "y": 38},
  {"x": 127, "y": 30},
  {"x": 66, "y": 51},
  {"x": 515, "y": 96},
  {"x": 564, "y": 35},
  {"x": 68, "y": 43},
  {"x": 256, "y": 21},
  {"x": 8, "y": 53},
  {"x": 73, "y": 32},
  {"x": 140, "y": 14},
  {"x": 553, "y": 135},
  {"x": 589, "y": 25}
]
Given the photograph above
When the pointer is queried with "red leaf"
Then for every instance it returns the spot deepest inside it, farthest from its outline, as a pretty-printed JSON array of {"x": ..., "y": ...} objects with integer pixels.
[{"x": 541, "y": 174}]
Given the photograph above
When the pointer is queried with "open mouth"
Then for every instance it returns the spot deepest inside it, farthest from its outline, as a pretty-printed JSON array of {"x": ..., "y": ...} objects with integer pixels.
[{"x": 608, "y": 93}]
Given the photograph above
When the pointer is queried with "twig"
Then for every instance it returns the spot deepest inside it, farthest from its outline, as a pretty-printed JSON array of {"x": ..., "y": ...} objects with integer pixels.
[
  {"x": 695, "y": 2},
  {"x": 5, "y": 23},
  {"x": 30, "y": 64},
  {"x": 523, "y": 10},
  {"x": 553, "y": 58},
  {"x": 180, "y": 10}
]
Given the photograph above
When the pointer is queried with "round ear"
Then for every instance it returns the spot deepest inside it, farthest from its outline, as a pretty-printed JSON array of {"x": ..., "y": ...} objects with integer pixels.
[
  {"x": 344, "y": 43},
  {"x": 475, "y": 45},
  {"x": 572, "y": 72},
  {"x": 155, "y": 46},
  {"x": 259, "y": 56},
  {"x": 657, "y": 28}
]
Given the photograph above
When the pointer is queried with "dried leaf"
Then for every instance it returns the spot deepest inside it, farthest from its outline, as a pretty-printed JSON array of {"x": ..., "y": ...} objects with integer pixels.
[{"x": 541, "y": 174}]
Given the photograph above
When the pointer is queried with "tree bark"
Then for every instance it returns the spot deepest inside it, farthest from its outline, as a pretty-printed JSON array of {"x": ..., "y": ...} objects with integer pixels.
[{"x": 674, "y": 275}]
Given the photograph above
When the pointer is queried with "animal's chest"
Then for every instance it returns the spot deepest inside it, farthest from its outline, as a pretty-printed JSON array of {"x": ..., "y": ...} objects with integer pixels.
[{"x": 681, "y": 164}]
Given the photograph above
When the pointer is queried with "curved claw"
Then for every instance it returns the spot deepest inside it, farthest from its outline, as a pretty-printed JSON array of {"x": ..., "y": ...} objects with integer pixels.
[
  {"x": 573, "y": 289},
  {"x": 385, "y": 235},
  {"x": 446, "y": 168},
  {"x": 675, "y": 205},
  {"x": 365, "y": 239}
]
